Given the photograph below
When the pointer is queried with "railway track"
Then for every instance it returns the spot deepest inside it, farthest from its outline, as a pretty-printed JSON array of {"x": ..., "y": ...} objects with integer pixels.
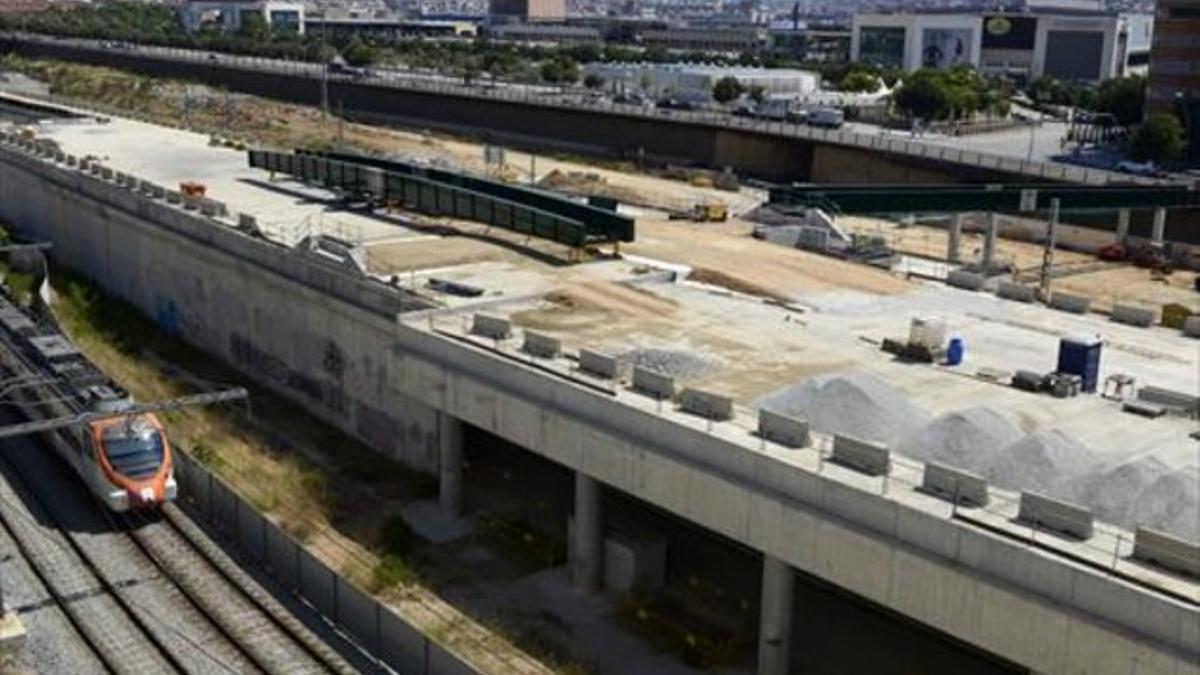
[{"x": 189, "y": 608}]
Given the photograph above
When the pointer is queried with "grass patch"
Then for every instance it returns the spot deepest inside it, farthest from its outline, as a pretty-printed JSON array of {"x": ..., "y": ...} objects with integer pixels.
[
  {"x": 526, "y": 547},
  {"x": 390, "y": 572}
]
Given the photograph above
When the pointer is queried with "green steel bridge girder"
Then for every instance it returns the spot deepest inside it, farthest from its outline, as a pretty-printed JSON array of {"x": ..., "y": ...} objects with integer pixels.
[{"x": 1013, "y": 198}]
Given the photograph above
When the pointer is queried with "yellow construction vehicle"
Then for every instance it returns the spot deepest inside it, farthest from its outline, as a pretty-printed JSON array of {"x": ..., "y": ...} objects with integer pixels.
[{"x": 710, "y": 212}]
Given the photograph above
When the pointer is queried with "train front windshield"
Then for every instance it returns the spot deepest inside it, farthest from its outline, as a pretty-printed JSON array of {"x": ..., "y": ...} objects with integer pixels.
[{"x": 134, "y": 449}]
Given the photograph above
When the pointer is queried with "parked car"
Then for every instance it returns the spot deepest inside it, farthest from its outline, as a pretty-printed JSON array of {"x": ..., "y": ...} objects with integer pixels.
[
  {"x": 830, "y": 118},
  {"x": 1145, "y": 169}
]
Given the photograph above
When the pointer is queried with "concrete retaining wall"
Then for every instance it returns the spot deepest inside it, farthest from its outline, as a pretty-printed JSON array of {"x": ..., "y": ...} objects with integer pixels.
[
  {"x": 1167, "y": 550},
  {"x": 1135, "y": 315},
  {"x": 966, "y": 280},
  {"x": 783, "y": 429},
  {"x": 596, "y": 363},
  {"x": 311, "y": 332},
  {"x": 1057, "y": 515},
  {"x": 1011, "y": 290}
]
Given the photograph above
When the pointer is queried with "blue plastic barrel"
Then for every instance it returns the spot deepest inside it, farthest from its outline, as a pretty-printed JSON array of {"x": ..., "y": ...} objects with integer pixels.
[{"x": 954, "y": 353}]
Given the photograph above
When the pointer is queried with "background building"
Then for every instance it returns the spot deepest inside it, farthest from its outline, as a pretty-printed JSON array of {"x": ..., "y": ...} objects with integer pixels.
[
  {"x": 1175, "y": 66},
  {"x": 228, "y": 15},
  {"x": 528, "y": 10},
  {"x": 695, "y": 82},
  {"x": 1065, "y": 43}
]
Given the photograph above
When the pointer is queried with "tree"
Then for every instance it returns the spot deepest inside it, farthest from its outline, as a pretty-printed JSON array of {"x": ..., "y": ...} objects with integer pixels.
[
  {"x": 757, "y": 93},
  {"x": 923, "y": 95},
  {"x": 727, "y": 89},
  {"x": 358, "y": 53},
  {"x": 1124, "y": 98},
  {"x": 859, "y": 82},
  {"x": 560, "y": 69},
  {"x": 593, "y": 81},
  {"x": 254, "y": 27},
  {"x": 1159, "y": 139}
]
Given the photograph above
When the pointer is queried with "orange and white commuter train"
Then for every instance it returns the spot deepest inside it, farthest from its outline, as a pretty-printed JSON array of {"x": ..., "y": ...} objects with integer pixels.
[{"x": 124, "y": 460}]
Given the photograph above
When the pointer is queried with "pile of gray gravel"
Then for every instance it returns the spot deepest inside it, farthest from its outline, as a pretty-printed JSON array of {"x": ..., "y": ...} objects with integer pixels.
[
  {"x": 1045, "y": 461},
  {"x": 1111, "y": 491},
  {"x": 1170, "y": 504},
  {"x": 852, "y": 404},
  {"x": 966, "y": 439},
  {"x": 680, "y": 365}
]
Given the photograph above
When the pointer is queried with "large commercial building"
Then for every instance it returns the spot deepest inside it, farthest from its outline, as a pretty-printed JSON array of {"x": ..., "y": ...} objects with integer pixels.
[
  {"x": 228, "y": 15},
  {"x": 1062, "y": 42},
  {"x": 527, "y": 10},
  {"x": 1175, "y": 66}
]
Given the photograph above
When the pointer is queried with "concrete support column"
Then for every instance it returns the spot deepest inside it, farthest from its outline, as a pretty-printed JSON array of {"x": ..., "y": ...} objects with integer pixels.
[
  {"x": 775, "y": 624},
  {"x": 587, "y": 567},
  {"x": 1122, "y": 225},
  {"x": 989, "y": 244},
  {"x": 450, "y": 460},
  {"x": 1158, "y": 234},
  {"x": 955, "y": 238}
]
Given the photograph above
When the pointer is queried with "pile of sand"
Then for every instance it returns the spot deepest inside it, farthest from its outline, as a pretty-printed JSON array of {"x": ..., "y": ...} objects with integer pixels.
[
  {"x": 967, "y": 439},
  {"x": 1045, "y": 461},
  {"x": 852, "y": 404}
]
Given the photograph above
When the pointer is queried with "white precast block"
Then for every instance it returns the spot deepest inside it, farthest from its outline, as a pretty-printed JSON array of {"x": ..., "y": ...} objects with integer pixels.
[
  {"x": 870, "y": 458},
  {"x": 706, "y": 404},
  {"x": 783, "y": 429},
  {"x": 964, "y": 279},
  {"x": 1191, "y": 326},
  {"x": 952, "y": 483},
  {"x": 489, "y": 325},
  {"x": 1134, "y": 315},
  {"x": 653, "y": 383},
  {"x": 598, "y": 363},
  {"x": 541, "y": 345},
  {"x": 1069, "y": 302},
  {"x": 1011, "y": 290},
  {"x": 1167, "y": 551},
  {"x": 1056, "y": 514}
]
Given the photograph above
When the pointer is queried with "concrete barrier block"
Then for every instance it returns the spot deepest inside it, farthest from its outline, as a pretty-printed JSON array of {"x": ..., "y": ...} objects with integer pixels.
[
  {"x": 72, "y": 160},
  {"x": 1178, "y": 401},
  {"x": 208, "y": 207},
  {"x": 706, "y": 404},
  {"x": 1191, "y": 326},
  {"x": 60, "y": 156},
  {"x": 106, "y": 173},
  {"x": 1057, "y": 515},
  {"x": 541, "y": 345},
  {"x": 1165, "y": 550},
  {"x": 964, "y": 279},
  {"x": 174, "y": 197},
  {"x": 489, "y": 325},
  {"x": 653, "y": 383},
  {"x": 1135, "y": 315},
  {"x": 146, "y": 187},
  {"x": 1011, "y": 290},
  {"x": 598, "y": 363},
  {"x": 1069, "y": 302},
  {"x": 950, "y": 483},
  {"x": 247, "y": 222},
  {"x": 783, "y": 429},
  {"x": 870, "y": 458}
]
